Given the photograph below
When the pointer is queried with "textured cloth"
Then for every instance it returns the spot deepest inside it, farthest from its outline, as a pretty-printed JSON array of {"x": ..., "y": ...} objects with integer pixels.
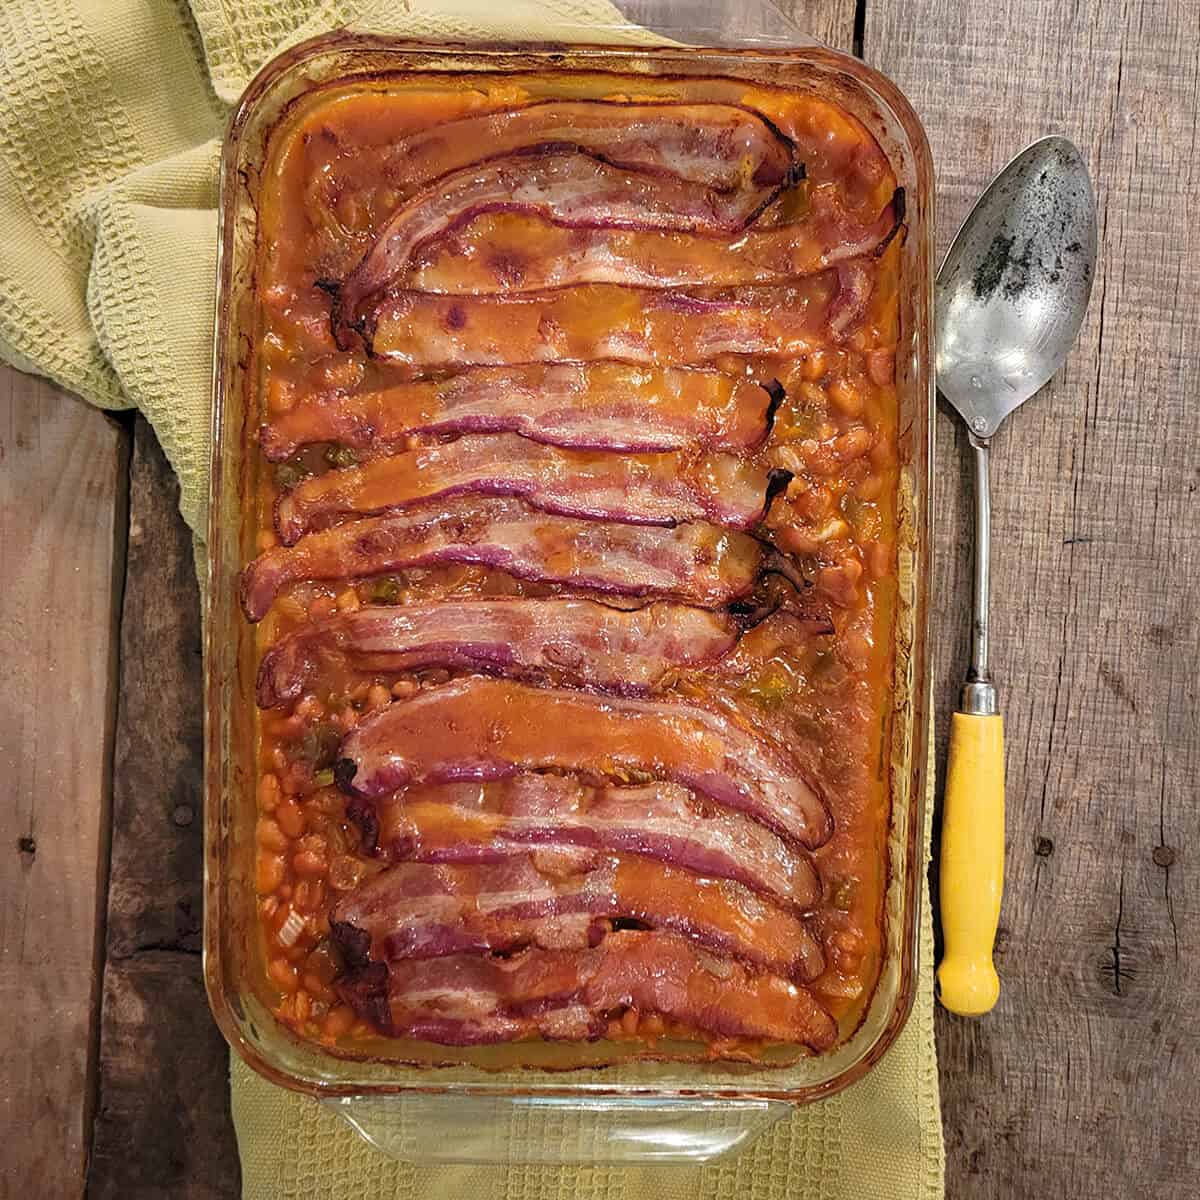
[{"x": 111, "y": 113}]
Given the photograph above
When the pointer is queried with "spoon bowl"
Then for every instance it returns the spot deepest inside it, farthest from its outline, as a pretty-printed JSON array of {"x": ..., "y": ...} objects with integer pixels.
[{"x": 1015, "y": 283}]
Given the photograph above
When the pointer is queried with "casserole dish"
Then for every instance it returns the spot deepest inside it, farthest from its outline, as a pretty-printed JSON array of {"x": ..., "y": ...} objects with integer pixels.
[{"x": 463, "y": 1106}]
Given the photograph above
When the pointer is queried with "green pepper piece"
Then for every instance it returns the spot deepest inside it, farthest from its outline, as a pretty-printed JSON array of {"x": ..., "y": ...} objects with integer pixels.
[{"x": 388, "y": 590}]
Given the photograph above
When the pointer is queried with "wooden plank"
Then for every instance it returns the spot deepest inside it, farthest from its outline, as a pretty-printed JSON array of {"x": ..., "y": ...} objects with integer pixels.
[
  {"x": 162, "y": 1124},
  {"x": 62, "y": 482},
  {"x": 1083, "y": 1082},
  {"x": 827, "y": 21}
]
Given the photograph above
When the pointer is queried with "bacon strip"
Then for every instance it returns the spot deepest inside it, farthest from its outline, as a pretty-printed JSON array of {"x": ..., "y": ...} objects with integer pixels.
[
  {"x": 722, "y": 146},
  {"x": 599, "y": 406},
  {"x": 835, "y": 149},
  {"x": 417, "y": 910},
  {"x": 639, "y": 489},
  {"x": 477, "y": 728},
  {"x": 570, "y": 994},
  {"x": 697, "y": 563},
  {"x": 421, "y": 911},
  {"x": 568, "y": 641},
  {"x": 486, "y": 822},
  {"x": 854, "y": 294},
  {"x": 509, "y": 252},
  {"x": 566, "y": 187},
  {"x": 593, "y": 321}
]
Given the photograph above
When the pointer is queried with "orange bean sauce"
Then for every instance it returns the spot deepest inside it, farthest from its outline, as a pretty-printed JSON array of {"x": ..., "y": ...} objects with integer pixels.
[{"x": 826, "y": 698}]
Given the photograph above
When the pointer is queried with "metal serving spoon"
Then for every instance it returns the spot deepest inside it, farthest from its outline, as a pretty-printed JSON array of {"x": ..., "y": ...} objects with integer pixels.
[{"x": 1011, "y": 296}]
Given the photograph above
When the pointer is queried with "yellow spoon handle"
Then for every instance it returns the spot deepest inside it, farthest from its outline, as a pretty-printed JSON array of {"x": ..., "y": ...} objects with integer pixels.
[{"x": 972, "y": 863}]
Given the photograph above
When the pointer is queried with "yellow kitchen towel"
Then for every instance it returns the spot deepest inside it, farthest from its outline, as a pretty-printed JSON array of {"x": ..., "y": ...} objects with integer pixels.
[{"x": 111, "y": 113}]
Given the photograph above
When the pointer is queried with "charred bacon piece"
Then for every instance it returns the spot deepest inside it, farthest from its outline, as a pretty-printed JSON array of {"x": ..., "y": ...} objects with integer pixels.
[
  {"x": 698, "y": 563},
  {"x": 703, "y": 167},
  {"x": 636, "y": 325},
  {"x": 594, "y": 406},
  {"x": 477, "y": 728},
  {"x": 419, "y": 910},
  {"x": 486, "y": 822},
  {"x": 571, "y": 994},
  {"x": 509, "y": 252},
  {"x": 637, "y": 489},
  {"x": 572, "y": 641}
]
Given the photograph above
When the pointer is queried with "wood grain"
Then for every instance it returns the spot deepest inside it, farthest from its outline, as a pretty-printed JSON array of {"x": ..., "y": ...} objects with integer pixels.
[
  {"x": 162, "y": 1123},
  {"x": 62, "y": 471},
  {"x": 829, "y": 21},
  {"x": 1083, "y": 1081}
]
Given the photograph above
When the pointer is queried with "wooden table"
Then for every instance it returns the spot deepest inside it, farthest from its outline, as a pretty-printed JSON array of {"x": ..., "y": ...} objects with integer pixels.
[{"x": 1086, "y": 1078}]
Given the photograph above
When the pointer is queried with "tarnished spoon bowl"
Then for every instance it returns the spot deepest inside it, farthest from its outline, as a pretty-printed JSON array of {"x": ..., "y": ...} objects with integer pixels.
[{"x": 1015, "y": 284}]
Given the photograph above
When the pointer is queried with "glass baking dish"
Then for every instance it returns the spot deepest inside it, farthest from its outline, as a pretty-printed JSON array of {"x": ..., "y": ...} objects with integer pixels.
[{"x": 538, "y": 1094}]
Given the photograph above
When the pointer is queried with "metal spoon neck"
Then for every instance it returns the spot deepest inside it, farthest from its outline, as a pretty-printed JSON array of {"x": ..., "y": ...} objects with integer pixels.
[{"x": 978, "y": 698}]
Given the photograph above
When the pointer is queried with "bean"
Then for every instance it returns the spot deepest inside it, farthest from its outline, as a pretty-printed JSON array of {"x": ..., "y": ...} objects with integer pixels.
[
  {"x": 852, "y": 444},
  {"x": 268, "y": 792},
  {"x": 378, "y": 697},
  {"x": 309, "y": 894},
  {"x": 269, "y": 873},
  {"x": 290, "y": 817},
  {"x": 814, "y": 365},
  {"x": 831, "y": 529},
  {"x": 818, "y": 455},
  {"x": 853, "y": 473},
  {"x": 846, "y": 397},
  {"x": 309, "y": 863},
  {"x": 283, "y": 975},
  {"x": 316, "y": 987},
  {"x": 405, "y": 689},
  {"x": 339, "y": 1021},
  {"x": 796, "y": 539},
  {"x": 270, "y": 836},
  {"x": 814, "y": 504},
  {"x": 787, "y": 457},
  {"x": 295, "y": 780},
  {"x": 870, "y": 488},
  {"x": 882, "y": 452},
  {"x": 348, "y": 601}
]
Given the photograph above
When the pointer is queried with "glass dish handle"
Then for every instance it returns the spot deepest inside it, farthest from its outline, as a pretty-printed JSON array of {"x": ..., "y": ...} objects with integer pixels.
[{"x": 515, "y": 1129}]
